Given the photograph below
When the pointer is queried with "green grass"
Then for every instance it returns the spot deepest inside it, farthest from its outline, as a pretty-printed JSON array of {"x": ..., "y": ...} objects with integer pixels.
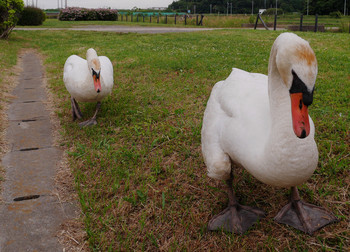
[
  {"x": 140, "y": 175},
  {"x": 222, "y": 21}
]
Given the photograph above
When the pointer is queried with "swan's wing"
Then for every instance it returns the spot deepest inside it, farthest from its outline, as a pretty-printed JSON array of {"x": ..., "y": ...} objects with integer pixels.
[
  {"x": 235, "y": 121},
  {"x": 75, "y": 70},
  {"x": 76, "y": 76},
  {"x": 242, "y": 94}
]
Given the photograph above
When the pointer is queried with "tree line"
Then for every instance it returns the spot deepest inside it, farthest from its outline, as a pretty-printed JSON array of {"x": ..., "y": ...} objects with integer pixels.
[{"x": 321, "y": 7}]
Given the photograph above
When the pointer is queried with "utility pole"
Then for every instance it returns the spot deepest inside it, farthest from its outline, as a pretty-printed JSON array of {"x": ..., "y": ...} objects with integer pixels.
[
  {"x": 276, "y": 7},
  {"x": 344, "y": 7}
]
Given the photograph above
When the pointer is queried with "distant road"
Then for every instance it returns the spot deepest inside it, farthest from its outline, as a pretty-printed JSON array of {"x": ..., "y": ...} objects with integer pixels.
[{"x": 123, "y": 29}]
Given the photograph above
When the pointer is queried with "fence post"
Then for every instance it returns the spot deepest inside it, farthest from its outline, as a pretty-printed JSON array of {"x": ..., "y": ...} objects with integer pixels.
[
  {"x": 201, "y": 22},
  {"x": 185, "y": 19},
  {"x": 175, "y": 18},
  {"x": 301, "y": 23},
  {"x": 256, "y": 22},
  {"x": 143, "y": 17},
  {"x": 275, "y": 23},
  {"x": 316, "y": 22},
  {"x": 150, "y": 18},
  {"x": 166, "y": 19},
  {"x": 158, "y": 19}
]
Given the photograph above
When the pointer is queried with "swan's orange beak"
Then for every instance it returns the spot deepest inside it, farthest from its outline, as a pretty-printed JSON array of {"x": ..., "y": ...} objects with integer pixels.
[
  {"x": 300, "y": 116},
  {"x": 97, "y": 83}
]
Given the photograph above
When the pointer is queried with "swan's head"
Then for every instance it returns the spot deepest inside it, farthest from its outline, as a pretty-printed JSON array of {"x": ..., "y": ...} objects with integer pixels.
[
  {"x": 297, "y": 65},
  {"x": 94, "y": 67}
]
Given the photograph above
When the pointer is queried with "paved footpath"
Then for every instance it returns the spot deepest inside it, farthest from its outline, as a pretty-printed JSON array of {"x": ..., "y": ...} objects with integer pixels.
[
  {"x": 30, "y": 214},
  {"x": 122, "y": 29}
]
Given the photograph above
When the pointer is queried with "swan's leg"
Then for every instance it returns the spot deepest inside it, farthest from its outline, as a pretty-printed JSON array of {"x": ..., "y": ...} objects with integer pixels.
[
  {"x": 236, "y": 218},
  {"x": 76, "y": 113},
  {"x": 91, "y": 121},
  {"x": 304, "y": 216}
]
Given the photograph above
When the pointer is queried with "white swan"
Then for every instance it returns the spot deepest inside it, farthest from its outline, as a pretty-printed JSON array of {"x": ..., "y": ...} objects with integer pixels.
[
  {"x": 88, "y": 80},
  {"x": 261, "y": 123}
]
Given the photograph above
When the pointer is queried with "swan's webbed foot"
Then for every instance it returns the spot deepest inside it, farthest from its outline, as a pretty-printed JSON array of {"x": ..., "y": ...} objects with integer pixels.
[
  {"x": 91, "y": 121},
  {"x": 88, "y": 123},
  {"x": 236, "y": 218},
  {"x": 76, "y": 113},
  {"x": 304, "y": 216}
]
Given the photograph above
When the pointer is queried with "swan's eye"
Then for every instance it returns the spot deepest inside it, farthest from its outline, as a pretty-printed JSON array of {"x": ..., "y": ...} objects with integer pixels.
[
  {"x": 95, "y": 73},
  {"x": 298, "y": 86}
]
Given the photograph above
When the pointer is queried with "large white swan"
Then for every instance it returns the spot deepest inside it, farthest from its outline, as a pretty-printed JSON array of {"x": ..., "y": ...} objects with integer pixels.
[
  {"x": 261, "y": 123},
  {"x": 88, "y": 80}
]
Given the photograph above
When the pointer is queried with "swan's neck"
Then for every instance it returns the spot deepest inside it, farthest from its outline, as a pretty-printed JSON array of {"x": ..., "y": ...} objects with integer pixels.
[
  {"x": 280, "y": 104},
  {"x": 92, "y": 60}
]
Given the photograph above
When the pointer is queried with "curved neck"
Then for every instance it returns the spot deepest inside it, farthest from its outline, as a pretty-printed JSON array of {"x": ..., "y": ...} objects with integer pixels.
[
  {"x": 92, "y": 60},
  {"x": 281, "y": 129}
]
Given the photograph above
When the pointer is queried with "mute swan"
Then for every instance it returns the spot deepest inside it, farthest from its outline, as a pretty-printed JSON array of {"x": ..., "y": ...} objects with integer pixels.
[
  {"x": 261, "y": 123},
  {"x": 88, "y": 80}
]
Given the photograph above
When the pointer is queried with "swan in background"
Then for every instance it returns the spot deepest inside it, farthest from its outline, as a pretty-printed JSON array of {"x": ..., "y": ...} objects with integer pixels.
[
  {"x": 88, "y": 80},
  {"x": 261, "y": 123}
]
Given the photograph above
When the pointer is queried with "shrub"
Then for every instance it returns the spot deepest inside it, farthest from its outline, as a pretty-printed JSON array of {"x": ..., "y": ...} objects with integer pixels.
[
  {"x": 32, "y": 16},
  {"x": 10, "y": 11},
  {"x": 78, "y": 14},
  {"x": 335, "y": 14}
]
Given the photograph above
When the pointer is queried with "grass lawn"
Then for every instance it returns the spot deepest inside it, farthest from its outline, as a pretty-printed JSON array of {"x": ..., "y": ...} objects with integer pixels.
[
  {"x": 234, "y": 21},
  {"x": 140, "y": 175}
]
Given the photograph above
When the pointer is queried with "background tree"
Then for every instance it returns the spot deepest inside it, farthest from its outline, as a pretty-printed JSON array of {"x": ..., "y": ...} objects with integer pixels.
[{"x": 10, "y": 11}]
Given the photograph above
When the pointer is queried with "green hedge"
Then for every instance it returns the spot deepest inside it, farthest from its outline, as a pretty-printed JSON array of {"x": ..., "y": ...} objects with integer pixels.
[{"x": 32, "y": 16}]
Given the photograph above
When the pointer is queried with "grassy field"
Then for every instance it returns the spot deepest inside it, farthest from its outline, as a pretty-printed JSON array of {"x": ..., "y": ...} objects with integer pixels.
[{"x": 140, "y": 175}]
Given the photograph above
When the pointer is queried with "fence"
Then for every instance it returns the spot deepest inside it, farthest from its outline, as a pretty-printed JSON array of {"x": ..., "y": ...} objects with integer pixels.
[
  {"x": 162, "y": 19},
  {"x": 302, "y": 27}
]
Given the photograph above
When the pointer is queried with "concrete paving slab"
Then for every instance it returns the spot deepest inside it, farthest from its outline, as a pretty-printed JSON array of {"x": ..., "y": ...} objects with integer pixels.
[
  {"x": 26, "y": 111},
  {"x": 28, "y": 94},
  {"x": 31, "y": 172},
  {"x": 32, "y": 133},
  {"x": 30, "y": 225},
  {"x": 31, "y": 213}
]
